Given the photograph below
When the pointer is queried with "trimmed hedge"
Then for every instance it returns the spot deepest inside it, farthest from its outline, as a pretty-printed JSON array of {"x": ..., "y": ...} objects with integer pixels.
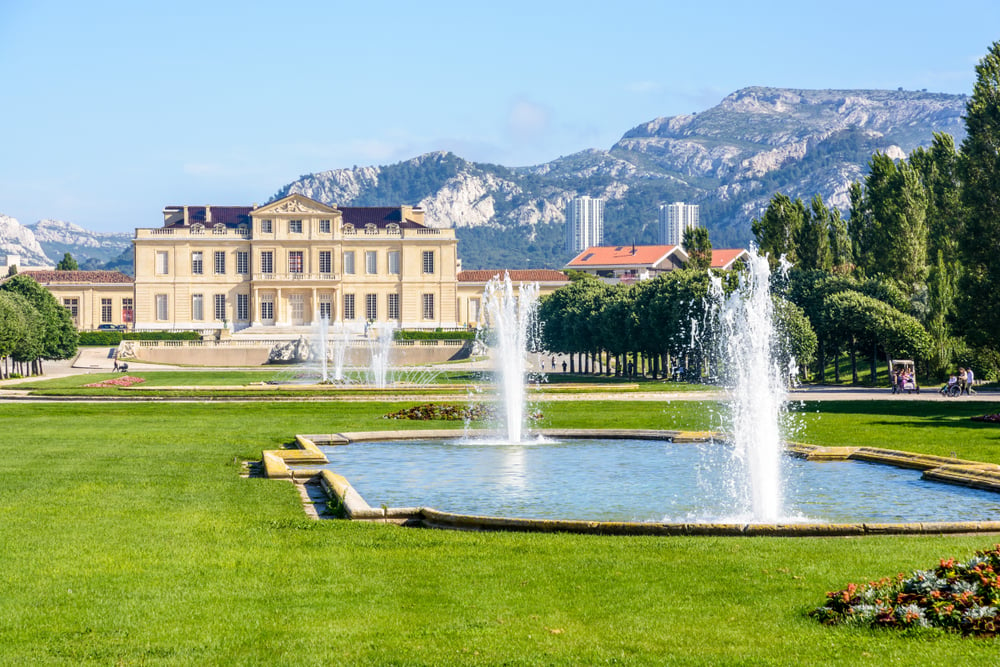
[
  {"x": 115, "y": 337},
  {"x": 404, "y": 334}
]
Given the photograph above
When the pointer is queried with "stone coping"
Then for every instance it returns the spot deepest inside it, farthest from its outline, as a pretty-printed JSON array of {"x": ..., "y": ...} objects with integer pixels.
[{"x": 354, "y": 507}]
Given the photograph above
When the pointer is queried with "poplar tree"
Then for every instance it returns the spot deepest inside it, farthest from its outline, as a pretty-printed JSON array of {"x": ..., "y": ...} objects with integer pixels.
[
  {"x": 777, "y": 230},
  {"x": 698, "y": 246},
  {"x": 979, "y": 168}
]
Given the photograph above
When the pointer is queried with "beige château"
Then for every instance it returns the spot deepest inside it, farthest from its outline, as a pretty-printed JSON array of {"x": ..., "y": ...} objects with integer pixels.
[{"x": 293, "y": 262}]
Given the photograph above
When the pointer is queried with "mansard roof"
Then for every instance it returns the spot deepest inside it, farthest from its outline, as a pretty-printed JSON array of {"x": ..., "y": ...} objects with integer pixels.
[
  {"x": 78, "y": 277},
  {"x": 230, "y": 216},
  {"x": 359, "y": 216},
  {"x": 516, "y": 275}
]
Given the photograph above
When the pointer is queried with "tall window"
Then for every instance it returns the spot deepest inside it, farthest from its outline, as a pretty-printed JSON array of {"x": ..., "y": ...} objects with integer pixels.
[
  {"x": 161, "y": 307},
  {"x": 294, "y": 226},
  {"x": 197, "y": 263},
  {"x": 348, "y": 306},
  {"x": 162, "y": 263},
  {"x": 265, "y": 226},
  {"x": 242, "y": 307},
  {"x": 325, "y": 261},
  {"x": 371, "y": 306},
  {"x": 371, "y": 262},
  {"x": 267, "y": 310},
  {"x": 220, "y": 262},
  {"x": 349, "y": 262},
  {"x": 128, "y": 310},
  {"x": 428, "y": 303},
  {"x": 220, "y": 306},
  {"x": 197, "y": 307},
  {"x": 392, "y": 306},
  {"x": 242, "y": 261},
  {"x": 324, "y": 226},
  {"x": 267, "y": 261},
  {"x": 325, "y": 311},
  {"x": 428, "y": 261},
  {"x": 295, "y": 261},
  {"x": 73, "y": 306},
  {"x": 105, "y": 310},
  {"x": 394, "y": 262}
]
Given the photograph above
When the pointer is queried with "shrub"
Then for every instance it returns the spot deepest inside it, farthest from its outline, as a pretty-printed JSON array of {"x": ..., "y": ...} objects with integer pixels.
[{"x": 406, "y": 334}]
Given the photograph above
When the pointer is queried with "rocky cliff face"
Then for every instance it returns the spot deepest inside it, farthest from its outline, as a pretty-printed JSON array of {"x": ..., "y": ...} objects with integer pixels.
[
  {"x": 16, "y": 239},
  {"x": 91, "y": 250},
  {"x": 730, "y": 159}
]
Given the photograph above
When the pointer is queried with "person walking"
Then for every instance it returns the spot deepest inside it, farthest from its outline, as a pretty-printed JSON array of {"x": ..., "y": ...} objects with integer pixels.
[{"x": 970, "y": 379}]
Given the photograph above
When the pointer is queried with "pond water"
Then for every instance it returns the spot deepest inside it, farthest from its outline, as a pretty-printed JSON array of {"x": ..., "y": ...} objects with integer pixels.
[{"x": 636, "y": 480}]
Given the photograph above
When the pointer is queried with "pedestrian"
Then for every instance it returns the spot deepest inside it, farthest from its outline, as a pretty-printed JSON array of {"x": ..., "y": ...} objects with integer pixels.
[
  {"x": 970, "y": 379},
  {"x": 564, "y": 365}
]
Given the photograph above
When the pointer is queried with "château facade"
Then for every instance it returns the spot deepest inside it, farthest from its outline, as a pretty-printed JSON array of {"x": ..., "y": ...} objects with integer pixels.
[{"x": 292, "y": 262}]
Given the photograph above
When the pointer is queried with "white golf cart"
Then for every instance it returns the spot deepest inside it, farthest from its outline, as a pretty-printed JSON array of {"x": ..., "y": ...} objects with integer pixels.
[{"x": 905, "y": 368}]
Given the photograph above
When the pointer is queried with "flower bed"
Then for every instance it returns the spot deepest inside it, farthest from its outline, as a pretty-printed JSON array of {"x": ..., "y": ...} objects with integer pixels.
[
  {"x": 959, "y": 597},
  {"x": 123, "y": 381},
  {"x": 445, "y": 411}
]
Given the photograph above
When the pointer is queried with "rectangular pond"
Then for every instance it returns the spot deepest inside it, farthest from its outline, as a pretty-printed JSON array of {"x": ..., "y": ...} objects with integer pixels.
[{"x": 637, "y": 480}]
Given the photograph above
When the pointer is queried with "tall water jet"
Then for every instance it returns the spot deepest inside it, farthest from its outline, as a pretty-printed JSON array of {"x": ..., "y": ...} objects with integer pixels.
[
  {"x": 321, "y": 341},
  {"x": 756, "y": 381},
  {"x": 511, "y": 319},
  {"x": 380, "y": 348}
]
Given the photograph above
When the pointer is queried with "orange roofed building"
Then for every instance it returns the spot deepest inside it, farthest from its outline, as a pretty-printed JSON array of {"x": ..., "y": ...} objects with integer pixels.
[{"x": 631, "y": 263}]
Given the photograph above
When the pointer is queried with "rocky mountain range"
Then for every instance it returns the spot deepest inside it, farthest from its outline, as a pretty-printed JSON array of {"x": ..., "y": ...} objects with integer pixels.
[
  {"x": 45, "y": 242},
  {"x": 730, "y": 159}
]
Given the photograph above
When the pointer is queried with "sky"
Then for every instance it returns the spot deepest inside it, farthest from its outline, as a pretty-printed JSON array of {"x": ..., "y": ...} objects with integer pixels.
[{"x": 112, "y": 110}]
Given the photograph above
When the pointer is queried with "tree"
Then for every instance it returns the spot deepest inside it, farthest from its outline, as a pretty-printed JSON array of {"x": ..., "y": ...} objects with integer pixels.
[
  {"x": 13, "y": 327},
  {"x": 979, "y": 169},
  {"x": 698, "y": 247},
  {"x": 59, "y": 336},
  {"x": 813, "y": 238},
  {"x": 777, "y": 230},
  {"x": 67, "y": 263}
]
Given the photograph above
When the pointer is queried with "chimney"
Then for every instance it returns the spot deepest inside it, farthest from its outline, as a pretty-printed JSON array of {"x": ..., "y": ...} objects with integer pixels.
[
  {"x": 208, "y": 214},
  {"x": 186, "y": 221}
]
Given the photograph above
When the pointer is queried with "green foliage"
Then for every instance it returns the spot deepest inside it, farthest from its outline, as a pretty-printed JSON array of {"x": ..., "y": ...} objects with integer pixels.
[
  {"x": 56, "y": 332},
  {"x": 67, "y": 263},
  {"x": 799, "y": 340},
  {"x": 698, "y": 246},
  {"x": 778, "y": 229},
  {"x": 979, "y": 168},
  {"x": 161, "y": 335},
  {"x": 407, "y": 334}
]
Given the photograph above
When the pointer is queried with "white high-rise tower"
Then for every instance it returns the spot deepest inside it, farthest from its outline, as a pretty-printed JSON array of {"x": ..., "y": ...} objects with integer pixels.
[
  {"x": 584, "y": 223},
  {"x": 675, "y": 219}
]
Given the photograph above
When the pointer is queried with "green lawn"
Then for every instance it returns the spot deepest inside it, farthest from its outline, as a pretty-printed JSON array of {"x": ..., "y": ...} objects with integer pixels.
[{"x": 128, "y": 537}]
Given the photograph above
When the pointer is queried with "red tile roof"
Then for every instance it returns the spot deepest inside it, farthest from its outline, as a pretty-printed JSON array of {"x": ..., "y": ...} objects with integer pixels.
[
  {"x": 78, "y": 277},
  {"x": 624, "y": 255},
  {"x": 516, "y": 276},
  {"x": 722, "y": 258}
]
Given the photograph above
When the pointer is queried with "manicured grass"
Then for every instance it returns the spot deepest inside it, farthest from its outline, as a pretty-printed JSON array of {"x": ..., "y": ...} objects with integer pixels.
[
  {"x": 127, "y": 536},
  {"x": 243, "y": 383}
]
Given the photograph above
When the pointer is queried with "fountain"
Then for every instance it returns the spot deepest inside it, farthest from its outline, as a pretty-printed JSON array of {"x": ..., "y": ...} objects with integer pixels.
[
  {"x": 511, "y": 320},
  {"x": 379, "y": 348},
  {"x": 756, "y": 382}
]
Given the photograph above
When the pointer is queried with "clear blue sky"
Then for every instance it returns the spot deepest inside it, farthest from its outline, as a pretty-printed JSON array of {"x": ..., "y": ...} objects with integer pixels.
[{"x": 111, "y": 110}]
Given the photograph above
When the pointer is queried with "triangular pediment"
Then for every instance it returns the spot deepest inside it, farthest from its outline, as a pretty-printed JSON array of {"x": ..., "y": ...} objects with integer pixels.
[{"x": 295, "y": 204}]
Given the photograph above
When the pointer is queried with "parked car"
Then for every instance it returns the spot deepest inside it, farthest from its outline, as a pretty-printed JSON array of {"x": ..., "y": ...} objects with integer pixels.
[{"x": 111, "y": 327}]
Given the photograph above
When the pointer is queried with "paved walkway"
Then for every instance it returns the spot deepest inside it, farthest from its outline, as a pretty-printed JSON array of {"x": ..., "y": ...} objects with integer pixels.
[{"x": 100, "y": 360}]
